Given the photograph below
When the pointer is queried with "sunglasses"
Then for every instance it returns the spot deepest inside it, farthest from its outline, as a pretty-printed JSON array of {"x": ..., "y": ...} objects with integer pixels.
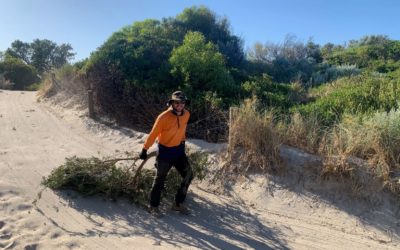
[{"x": 178, "y": 102}]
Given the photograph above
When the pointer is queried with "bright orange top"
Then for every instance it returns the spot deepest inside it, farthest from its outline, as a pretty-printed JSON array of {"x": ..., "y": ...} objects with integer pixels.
[{"x": 169, "y": 128}]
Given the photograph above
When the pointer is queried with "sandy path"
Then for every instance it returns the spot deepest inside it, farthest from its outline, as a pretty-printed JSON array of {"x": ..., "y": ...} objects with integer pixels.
[{"x": 35, "y": 138}]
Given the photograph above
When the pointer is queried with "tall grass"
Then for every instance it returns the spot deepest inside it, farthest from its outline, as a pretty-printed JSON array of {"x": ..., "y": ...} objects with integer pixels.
[
  {"x": 254, "y": 138},
  {"x": 373, "y": 137},
  {"x": 303, "y": 132},
  {"x": 67, "y": 79}
]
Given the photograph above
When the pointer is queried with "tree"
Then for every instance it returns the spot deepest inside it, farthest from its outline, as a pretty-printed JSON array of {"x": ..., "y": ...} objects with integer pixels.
[
  {"x": 41, "y": 54},
  {"x": 314, "y": 51},
  {"x": 291, "y": 61},
  {"x": 61, "y": 54},
  {"x": 214, "y": 29},
  {"x": 20, "y": 50},
  {"x": 200, "y": 67},
  {"x": 259, "y": 53}
]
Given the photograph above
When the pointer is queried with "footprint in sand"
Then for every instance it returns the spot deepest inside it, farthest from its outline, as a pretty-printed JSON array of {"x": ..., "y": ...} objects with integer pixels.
[
  {"x": 31, "y": 247},
  {"x": 24, "y": 207},
  {"x": 72, "y": 245},
  {"x": 5, "y": 236},
  {"x": 55, "y": 235},
  {"x": 8, "y": 246}
]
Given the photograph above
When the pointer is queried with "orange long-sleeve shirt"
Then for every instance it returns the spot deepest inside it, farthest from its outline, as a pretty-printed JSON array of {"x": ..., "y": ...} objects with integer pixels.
[{"x": 169, "y": 128}]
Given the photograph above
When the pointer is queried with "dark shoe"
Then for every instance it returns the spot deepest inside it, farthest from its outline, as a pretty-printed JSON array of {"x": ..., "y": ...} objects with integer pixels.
[
  {"x": 155, "y": 211},
  {"x": 181, "y": 209}
]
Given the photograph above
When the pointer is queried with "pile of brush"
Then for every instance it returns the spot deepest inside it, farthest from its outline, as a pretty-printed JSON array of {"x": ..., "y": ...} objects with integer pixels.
[{"x": 92, "y": 176}]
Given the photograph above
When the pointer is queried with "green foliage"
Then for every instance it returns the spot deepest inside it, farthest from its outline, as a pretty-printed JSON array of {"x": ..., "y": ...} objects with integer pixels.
[
  {"x": 18, "y": 73},
  {"x": 215, "y": 30},
  {"x": 367, "y": 52},
  {"x": 92, "y": 176},
  {"x": 291, "y": 61},
  {"x": 136, "y": 57},
  {"x": 325, "y": 73},
  {"x": 33, "y": 87},
  {"x": 147, "y": 61},
  {"x": 356, "y": 95},
  {"x": 271, "y": 94},
  {"x": 200, "y": 67},
  {"x": 140, "y": 53},
  {"x": 41, "y": 54}
]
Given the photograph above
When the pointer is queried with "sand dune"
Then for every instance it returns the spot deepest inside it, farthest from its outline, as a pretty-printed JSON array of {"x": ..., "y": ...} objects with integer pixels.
[{"x": 290, "y": 212}]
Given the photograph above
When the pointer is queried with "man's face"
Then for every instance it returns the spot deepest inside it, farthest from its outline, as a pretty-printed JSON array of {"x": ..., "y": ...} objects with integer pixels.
[{"x": 178, "y": 105}]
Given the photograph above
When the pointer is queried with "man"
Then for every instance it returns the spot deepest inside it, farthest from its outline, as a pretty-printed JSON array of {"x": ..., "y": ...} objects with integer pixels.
[{"x": 170, "y": 129}]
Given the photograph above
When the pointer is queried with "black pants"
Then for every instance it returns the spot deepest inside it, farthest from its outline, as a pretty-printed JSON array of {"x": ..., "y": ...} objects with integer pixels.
[{"x": 163, "y": 166}]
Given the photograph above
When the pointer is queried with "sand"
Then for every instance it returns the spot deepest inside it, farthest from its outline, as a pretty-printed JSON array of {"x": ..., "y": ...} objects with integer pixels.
[{"x": 259, "y": 212}]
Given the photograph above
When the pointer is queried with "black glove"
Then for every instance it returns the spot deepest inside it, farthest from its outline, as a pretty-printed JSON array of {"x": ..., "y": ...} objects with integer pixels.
[{"x": 143, "y": 154}]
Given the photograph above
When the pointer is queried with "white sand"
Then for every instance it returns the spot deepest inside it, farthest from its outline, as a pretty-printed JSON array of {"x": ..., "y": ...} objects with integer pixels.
[{"x": 280, "y": 213}]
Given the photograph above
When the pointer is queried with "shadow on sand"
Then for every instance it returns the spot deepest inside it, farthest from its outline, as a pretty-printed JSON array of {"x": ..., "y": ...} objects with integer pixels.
[
  {"x": 373, "y": 206},
  {"x": 222, "y": 225}
]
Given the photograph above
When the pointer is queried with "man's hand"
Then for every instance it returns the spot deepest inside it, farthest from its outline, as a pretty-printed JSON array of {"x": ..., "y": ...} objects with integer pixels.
[{"x": 143, "y": 154}]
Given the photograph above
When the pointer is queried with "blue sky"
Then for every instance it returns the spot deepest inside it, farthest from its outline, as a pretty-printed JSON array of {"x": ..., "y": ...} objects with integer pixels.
[{"x": 86, "y": 24}]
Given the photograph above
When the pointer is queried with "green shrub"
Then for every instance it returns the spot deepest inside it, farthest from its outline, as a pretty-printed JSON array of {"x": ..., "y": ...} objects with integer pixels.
[
  {"x": 270, "y": 94},
  {"x": 356, "y": 95},
  {"x": 19, "y": 74},
  {"x": 33, "y": 87}
]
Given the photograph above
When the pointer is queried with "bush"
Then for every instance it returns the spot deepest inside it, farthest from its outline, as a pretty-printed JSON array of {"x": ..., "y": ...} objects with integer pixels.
[
  {"x": 33, "y": 87},
  {"x": 134, "y": 72},
  {"x": 356, "y": 95},
  {"x": 328, "y": 73},
  {"x": 201, "y": 67},
  {"x": 277, "y": 95},
  {"x": 19, "y": 75}
]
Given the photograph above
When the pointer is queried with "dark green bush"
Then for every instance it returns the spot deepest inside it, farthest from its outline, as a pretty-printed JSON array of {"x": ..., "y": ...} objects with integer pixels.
[{"x": 18, "y": 73}]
